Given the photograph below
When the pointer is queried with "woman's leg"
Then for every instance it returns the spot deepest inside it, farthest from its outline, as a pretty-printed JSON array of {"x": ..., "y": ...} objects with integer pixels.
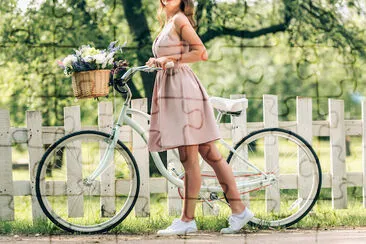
[
  {"x": 224, "y": 173},
  {"x": 192, "y": 179}
]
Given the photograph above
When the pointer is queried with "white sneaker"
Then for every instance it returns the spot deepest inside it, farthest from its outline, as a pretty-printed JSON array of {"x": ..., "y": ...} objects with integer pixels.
[
  {"x": 237, "y": 221},
  {"x": 179, "y": 227}
]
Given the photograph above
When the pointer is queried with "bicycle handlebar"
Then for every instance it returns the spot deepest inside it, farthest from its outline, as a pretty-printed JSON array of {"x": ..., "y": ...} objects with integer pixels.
[
  {"x": 117, "y": 82},
  {"x": 130, "y": 72}
]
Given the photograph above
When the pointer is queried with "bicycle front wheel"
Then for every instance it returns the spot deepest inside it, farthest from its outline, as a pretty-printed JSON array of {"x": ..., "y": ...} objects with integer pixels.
[
  {"x": 77, "y": 204},
  {"x": 292, "y": 164}
]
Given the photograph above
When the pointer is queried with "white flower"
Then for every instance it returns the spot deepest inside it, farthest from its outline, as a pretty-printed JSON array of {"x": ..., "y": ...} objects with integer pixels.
[
  {"x": 99, "y": 58},
  {"x": 89, "y": 59},
  {"x": 88, "y": 51},
  {"x": 108, "y": 60},
  {"x": 110, "y": 56},
  {"x": 69, "y": 60},
  {"x": 77, "y": 53}
]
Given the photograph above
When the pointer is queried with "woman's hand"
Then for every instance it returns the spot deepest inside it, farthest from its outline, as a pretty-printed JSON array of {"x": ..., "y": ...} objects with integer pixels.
[
  {"x": 158, "y": 62},
  {"x": 151, "y": 62}
]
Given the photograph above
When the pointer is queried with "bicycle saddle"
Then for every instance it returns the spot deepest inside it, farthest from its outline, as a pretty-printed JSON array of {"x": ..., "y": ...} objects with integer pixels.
[{"x": 229, "y": 105}]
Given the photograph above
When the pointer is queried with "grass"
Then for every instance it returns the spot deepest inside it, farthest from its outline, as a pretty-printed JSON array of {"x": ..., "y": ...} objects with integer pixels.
[{"x": 322, "y": 216}]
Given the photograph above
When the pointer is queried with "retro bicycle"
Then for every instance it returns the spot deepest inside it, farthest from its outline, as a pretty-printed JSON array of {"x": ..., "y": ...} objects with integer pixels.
[{"x": 88, "y": 181}]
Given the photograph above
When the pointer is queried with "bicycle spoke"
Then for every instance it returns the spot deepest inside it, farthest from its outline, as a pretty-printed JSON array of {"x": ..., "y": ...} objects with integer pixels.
[
  {"x": 79, "y": 206},
  {"x": 282, "y": 202}
]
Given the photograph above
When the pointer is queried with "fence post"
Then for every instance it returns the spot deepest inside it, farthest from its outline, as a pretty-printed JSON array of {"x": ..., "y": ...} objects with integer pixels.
[
  {"x": 338, "y": 153},
  {"x": 108, "y": 180},
  {"x": 174, "y": 200},
  {"x": 238, "y": 131},
  {"x": 271, "y": 151},
  {"x": 364, "y": 151},
  {"x": 6, "y": 175},
  {"x": 75, "y": 200},
  {"x": 305, "y": 130},
  {"x": 141, "y": 153},
  {"x": 35, "y": 151}
]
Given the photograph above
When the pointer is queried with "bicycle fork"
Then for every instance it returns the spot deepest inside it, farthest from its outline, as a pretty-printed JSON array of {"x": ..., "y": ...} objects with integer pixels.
[{"x": 108, "y": 153}]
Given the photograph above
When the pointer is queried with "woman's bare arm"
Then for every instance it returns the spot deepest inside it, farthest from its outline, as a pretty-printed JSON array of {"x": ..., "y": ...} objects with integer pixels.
[{"x": 197, "y": 51}]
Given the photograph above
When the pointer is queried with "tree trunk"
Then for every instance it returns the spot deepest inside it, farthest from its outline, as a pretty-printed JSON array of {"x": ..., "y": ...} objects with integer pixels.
[{"x": 140, "y": 30}]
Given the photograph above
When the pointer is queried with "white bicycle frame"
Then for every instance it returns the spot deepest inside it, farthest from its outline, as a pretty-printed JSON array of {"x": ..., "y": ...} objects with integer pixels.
[{"x": 123, "y": 118}]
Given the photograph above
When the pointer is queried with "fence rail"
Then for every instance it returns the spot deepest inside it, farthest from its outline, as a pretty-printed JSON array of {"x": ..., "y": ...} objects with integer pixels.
[{"x": 36, "y": 136}]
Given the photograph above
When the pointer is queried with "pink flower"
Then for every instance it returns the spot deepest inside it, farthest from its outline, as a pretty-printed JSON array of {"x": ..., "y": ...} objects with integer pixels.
[{"x": 61, "y": 64}]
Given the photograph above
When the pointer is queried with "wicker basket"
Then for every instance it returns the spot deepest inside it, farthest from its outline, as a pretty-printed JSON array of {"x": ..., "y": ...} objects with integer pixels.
[{"x": 92, "y": 83}]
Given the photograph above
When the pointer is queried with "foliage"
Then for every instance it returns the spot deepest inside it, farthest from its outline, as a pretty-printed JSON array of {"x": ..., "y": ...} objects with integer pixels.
[
  {"x": 289, "y": 48},
  {"x": 313, "y": 48}
]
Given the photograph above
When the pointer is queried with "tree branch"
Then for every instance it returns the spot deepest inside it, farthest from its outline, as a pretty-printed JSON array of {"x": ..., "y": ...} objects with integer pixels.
[
  {"x": 211, "y": 33},
  {"x": 223, "y": 31},
  {"x": 328, "y": 22}
]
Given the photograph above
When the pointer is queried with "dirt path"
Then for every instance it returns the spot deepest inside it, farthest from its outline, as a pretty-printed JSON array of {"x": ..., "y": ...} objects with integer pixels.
[{"x": 334, "y": 236}]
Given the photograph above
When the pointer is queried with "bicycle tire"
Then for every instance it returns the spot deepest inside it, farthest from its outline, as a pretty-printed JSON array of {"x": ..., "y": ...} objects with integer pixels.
[
  {"x": 314, "y": 163},
  {"x": 59, "y": 218}
]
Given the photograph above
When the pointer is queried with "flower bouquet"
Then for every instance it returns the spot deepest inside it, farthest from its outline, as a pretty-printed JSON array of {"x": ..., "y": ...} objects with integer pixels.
[{"x": 90, "y": 69}]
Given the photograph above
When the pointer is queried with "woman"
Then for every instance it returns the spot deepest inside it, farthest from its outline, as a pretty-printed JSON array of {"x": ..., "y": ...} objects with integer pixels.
[{"x": 182, "y": 117}]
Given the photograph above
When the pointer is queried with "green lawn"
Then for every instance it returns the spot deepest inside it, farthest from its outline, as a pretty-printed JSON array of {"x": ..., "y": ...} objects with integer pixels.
[{"x": 322, "y": 216}]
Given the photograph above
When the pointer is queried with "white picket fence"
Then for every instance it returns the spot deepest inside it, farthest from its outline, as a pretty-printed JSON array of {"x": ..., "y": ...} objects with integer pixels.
[{"x": 35, "y": 136}]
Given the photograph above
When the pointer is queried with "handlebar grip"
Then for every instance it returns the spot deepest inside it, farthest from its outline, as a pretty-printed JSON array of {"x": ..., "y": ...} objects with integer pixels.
[{"x": 170, "y": 64}]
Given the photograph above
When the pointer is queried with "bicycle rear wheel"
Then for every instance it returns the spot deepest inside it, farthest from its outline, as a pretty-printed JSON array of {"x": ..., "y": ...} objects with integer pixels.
[
  {"x": 78, "y": 205},
  {"x": 293, "y": 163}
]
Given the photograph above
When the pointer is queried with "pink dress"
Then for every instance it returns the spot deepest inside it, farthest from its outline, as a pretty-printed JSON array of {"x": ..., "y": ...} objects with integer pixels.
[{"x": 181, "y": 113}]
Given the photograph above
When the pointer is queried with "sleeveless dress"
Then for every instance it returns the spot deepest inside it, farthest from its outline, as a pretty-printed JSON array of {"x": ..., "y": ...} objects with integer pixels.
[{"x": 181, "y": 113}]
